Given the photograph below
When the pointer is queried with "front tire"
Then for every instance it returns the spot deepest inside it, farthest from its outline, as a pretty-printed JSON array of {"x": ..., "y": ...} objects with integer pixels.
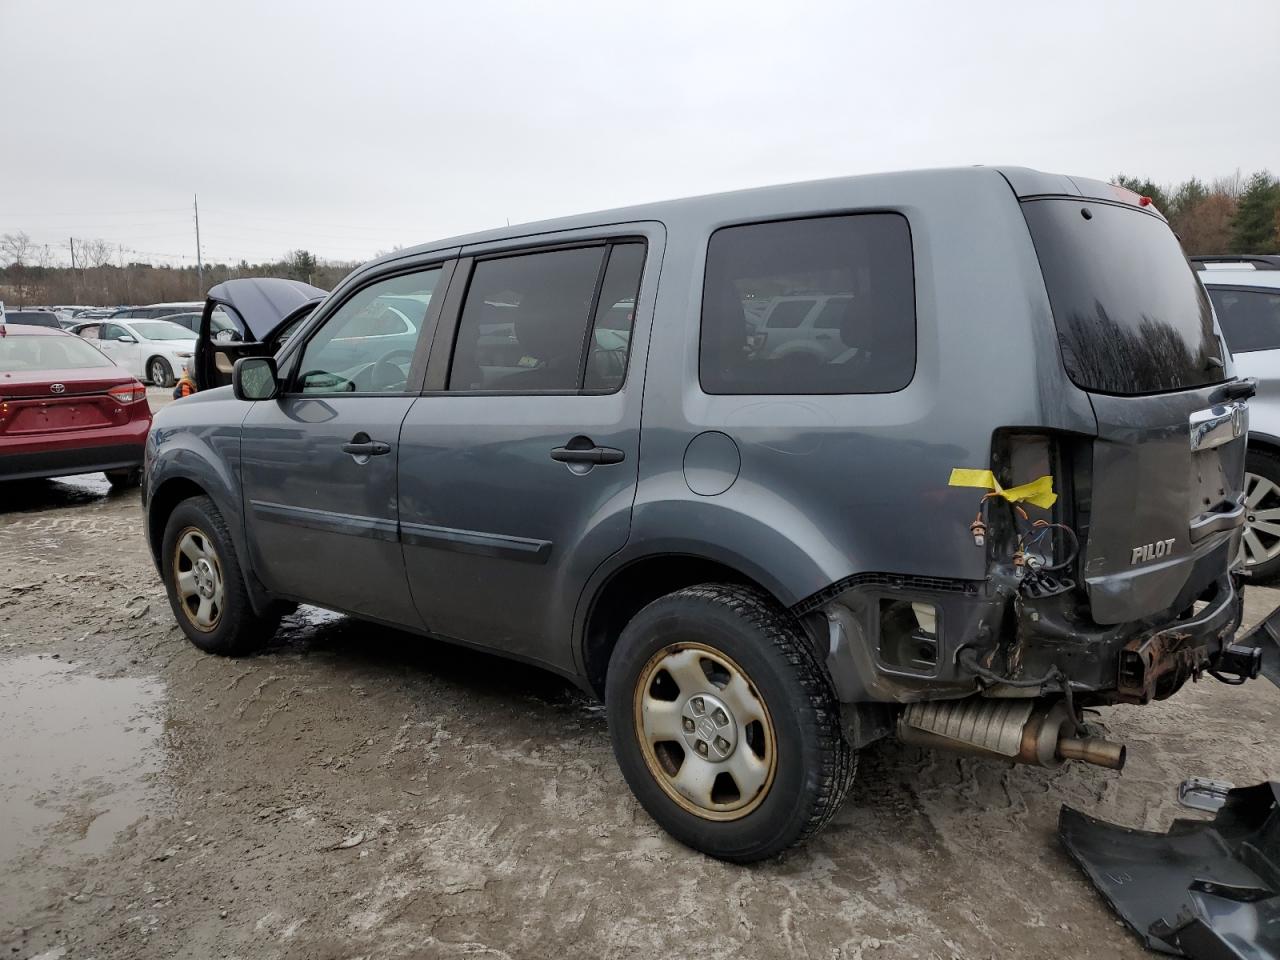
[
  {"x": 159, "y": 372},
  {"x": 205, "y": 585},
  {"x": 725, "y": 724},
  {"x": 1262, "y": 520}
]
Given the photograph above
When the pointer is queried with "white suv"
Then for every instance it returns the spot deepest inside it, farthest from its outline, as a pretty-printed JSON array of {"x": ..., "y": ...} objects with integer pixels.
[{"x": 1246, "y": 297}]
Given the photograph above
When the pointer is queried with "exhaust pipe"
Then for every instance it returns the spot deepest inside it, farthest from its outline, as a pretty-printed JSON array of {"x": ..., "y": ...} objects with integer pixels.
[{"x": 1039, "y": 732}]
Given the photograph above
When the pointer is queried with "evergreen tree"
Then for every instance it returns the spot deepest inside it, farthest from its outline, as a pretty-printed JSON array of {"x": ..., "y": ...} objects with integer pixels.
[
  {"x": 1159, "y": 196},
  {"x": 1253, "y": 229}
]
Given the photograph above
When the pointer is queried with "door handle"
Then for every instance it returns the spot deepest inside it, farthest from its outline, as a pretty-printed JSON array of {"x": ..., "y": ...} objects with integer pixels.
[
  {"x": 361, "y": 446},
  {"x": 588, "y": 455}
]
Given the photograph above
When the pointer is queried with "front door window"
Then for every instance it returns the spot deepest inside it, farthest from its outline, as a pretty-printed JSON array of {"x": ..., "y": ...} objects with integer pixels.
[{"x": 367, "y": 345}]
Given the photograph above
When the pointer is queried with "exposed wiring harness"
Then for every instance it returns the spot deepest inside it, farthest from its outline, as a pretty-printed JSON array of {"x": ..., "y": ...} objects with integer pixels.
[
  {"x": 1028, "y": 557},
  {"x": 968, "y": 658}
]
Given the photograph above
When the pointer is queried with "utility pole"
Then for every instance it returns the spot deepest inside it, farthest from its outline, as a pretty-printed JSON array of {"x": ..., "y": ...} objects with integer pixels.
[{"x": 199, "y": 259}]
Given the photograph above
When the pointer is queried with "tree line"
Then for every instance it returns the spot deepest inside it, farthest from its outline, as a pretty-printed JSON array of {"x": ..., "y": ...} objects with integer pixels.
[
  {"x": 100, "y": 278},
  {"x": 1231, "y": 214}
]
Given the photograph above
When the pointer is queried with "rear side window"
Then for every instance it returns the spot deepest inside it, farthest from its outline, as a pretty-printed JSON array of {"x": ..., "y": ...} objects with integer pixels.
[
  {"x": 1250, "y": 319},
  {"x": 559, "y": 320},
  {"x": 1132, "y": 318},
  {"x": 860, "y": 265},
  {"x": 788, "y": 314}
]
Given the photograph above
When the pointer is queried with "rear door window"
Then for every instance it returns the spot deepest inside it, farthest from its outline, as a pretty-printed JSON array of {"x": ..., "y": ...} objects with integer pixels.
[
  {"x": 1250, "y": 319},
  {"x": 558, "y": 320},
  {"x": 788, "y": 314},
  {"x": 1131, "y": 316},
  {"x": 866, "y": 343}
]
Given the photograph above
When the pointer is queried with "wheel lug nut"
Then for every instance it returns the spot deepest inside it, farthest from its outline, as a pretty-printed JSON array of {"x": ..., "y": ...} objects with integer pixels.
[
  {"x": 697, "y": 705},
  {"x": 701, "y": 747},
  {"x": 722, "y": 744},
  {"x": 688, "y": 725},
  {"x": 721, "y": 718}
]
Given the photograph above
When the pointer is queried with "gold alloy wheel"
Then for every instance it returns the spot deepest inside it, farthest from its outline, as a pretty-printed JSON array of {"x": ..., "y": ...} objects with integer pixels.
[
  {"x": 197, "y": 579},
  {"x": 705, "y": 732}
]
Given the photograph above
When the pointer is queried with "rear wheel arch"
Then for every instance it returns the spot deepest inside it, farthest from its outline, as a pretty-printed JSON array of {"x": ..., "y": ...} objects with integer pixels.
[
  {"x": 1264, "y": 443},
  {"x": 632, "y": 587}
]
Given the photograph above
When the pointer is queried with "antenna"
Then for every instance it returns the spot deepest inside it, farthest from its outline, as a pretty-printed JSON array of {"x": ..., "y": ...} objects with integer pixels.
[{"x": 199, "y": 261}]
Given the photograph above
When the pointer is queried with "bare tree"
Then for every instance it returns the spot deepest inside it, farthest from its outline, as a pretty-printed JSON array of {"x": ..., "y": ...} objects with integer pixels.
[
  {"x": 1230, "y": 186},
  {"x": 17, "y": 249}
]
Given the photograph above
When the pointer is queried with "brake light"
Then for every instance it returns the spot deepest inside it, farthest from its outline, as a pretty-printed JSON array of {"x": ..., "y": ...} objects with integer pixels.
[
  {"x": 1144, "y": 201},
  {"x": 128, "y": 393}
]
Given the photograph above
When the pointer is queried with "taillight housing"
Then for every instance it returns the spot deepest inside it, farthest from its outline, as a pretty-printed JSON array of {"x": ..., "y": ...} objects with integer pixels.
[{"x": 128, "y": 393}]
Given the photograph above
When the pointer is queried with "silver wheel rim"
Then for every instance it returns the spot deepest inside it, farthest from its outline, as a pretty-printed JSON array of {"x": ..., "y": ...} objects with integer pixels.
[
  {"x": 1261, "y": 541},
  {"x": 157, "y": 372},
  {"x": 197, "y": 579},
  {"x": 705, "y": 731}
]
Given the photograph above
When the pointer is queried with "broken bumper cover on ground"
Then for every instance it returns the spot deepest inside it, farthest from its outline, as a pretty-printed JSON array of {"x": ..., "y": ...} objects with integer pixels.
[{"x": 1205, "y": 890}]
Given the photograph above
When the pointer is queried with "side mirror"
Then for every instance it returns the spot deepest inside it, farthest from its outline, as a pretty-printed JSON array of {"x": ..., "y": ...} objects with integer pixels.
[
  {"x": 255, "y": 378},
  {"x": 125, "y": 338}
]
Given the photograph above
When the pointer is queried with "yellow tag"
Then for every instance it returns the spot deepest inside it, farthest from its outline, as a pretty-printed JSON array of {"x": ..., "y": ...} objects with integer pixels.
[{"x": 1037, "y": 492}]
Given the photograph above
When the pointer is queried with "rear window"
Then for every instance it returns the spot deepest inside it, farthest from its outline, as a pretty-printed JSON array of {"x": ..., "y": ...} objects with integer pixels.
[
  {"x": 32, "y": 318},
  {"x": 19, "y": 353},
  {"x": 866, "y": 342},
  {"x": 1132, "y": 318},
  {"x": 1250, "y": 319}
]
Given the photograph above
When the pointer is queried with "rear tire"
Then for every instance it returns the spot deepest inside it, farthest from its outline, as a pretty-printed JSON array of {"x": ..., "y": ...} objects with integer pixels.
[
  {"x": 771, "y": 766},
  {"x": 1262, "y": 471},
  {"x": 123, "y": 479},
  {"x": 159, "y": 372},
  {"x": 205, "y": 585}
]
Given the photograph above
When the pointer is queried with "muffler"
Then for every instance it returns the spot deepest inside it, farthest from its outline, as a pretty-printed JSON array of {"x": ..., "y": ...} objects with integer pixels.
[{"x": 1022, "y": 731}]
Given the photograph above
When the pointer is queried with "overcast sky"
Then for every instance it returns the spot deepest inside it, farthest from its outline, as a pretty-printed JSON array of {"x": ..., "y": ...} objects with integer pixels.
[{"x": 349, "y": 128}]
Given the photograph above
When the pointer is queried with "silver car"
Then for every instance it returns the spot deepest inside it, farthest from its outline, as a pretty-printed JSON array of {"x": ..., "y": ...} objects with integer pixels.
[{"x": 1246, "y": 297}]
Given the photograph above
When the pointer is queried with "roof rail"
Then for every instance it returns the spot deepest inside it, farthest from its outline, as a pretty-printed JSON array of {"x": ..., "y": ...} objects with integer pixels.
[{"x": 1257, "y": 261}]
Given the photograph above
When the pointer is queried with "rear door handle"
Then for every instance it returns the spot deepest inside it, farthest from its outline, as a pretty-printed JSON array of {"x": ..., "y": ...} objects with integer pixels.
[{"x": 589, "y": 455}]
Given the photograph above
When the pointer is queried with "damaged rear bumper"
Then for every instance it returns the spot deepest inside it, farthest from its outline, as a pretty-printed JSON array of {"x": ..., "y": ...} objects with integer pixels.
[{"x": 986, "y": 632}]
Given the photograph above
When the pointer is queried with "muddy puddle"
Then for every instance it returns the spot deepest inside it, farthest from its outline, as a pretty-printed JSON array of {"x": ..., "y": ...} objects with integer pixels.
[{"x": 78, "y": 757}]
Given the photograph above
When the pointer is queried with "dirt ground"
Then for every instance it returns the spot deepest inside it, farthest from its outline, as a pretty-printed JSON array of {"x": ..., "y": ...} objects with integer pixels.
[{"x": 354, "y": 792}]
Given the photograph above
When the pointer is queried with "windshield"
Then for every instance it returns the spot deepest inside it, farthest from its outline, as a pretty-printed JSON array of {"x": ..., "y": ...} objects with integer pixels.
[
  {"x": 162, "y": 330},
  {"x": 1132, "y": 318},
  {"x": 19, "y": 353}
]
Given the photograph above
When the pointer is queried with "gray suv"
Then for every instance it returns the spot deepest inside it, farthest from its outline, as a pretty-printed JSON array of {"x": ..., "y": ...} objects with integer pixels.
[{"x": 1013, "y": 491}]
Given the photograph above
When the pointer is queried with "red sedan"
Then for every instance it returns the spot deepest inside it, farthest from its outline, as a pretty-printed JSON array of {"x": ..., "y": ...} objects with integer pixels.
[{"x": 67, "y": 408}]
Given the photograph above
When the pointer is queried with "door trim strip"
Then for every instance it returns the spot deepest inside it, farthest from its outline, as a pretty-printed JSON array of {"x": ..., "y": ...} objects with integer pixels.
[
  {"x": 476, "y": 542},
  {"x": 373, "y": 528}
]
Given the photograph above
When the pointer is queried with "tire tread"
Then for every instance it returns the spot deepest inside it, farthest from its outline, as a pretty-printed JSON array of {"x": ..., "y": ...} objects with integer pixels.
[{"x": 840, "y": 761}]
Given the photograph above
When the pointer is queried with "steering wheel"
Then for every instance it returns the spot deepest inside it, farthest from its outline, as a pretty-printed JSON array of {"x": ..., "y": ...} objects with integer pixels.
[{"x": 385, "y": 374}]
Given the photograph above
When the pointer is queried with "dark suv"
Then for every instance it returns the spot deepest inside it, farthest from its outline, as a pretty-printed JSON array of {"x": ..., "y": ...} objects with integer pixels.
[{"x": 1011, "y": 489}]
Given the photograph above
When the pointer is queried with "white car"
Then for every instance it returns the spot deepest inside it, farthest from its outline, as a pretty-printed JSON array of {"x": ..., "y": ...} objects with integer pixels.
[
  {"x": 804, "y": 328},
  {"x": 154, "y": 350}
]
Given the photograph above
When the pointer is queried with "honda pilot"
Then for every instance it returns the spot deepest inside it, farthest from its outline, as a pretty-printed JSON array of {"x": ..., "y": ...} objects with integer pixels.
[{"x": 1011, "y": 490}]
